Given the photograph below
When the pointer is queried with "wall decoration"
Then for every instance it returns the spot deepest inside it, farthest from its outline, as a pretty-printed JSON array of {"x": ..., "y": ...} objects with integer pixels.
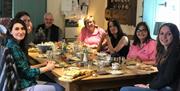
[{"x": 123, "y": 10}]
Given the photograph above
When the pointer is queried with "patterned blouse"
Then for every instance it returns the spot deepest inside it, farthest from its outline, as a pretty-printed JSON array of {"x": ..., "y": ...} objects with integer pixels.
[{"x": 27, "y": 75}]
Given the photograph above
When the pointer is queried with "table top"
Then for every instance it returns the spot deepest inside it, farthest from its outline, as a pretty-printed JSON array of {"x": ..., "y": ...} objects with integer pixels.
[{"x": 124, "y": 72}]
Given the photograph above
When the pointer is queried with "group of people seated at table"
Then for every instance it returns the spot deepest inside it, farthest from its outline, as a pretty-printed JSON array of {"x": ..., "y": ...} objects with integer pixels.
[
  {"x": 163, "y": 52},
  {"x": 18, "y": 35},
  {"x": 115, "y": 42}
]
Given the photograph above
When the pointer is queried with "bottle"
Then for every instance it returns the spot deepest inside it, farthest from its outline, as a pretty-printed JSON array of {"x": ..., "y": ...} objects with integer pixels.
[
  {"x": 64, "y": 46},
  {"x": 85, "y": 59},
  {"x": 41, "y": 35}
]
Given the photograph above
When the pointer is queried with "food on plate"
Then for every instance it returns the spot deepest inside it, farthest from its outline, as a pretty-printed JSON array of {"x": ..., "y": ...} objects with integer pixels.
[
  {"x": 75, "y": 59},
  {"x": 128, "y": 63},
  {"x": 73, "y": 73},
  {"x": 146, "y": 68},
  {"x": 33, "y": 50},
  {"x": 116, "y": 72},
  {"x": 62, "y": 64}
]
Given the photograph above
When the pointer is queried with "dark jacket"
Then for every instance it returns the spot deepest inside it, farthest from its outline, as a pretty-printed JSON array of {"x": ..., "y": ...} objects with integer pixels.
[{"x": 53, "y": 32}]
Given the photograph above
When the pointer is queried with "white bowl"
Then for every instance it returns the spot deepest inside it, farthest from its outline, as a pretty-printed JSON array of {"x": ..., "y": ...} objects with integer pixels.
[{"x": 44, "y": 48}]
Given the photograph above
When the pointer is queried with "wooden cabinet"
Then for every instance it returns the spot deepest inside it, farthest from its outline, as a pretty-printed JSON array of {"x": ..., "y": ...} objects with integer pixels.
[
  {"x": 123, "y": 10},
  {"x": 71, "y": 32}
]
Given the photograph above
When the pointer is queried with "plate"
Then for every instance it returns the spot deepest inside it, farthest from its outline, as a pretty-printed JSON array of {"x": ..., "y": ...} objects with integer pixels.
[
  {"x": 42, "y": 56},
  {"x": 116, "y": 72},
  {"x": 75, "y": 58},
  {"x": 131, "y": 66},
  {"x": 102, "y": 72}
]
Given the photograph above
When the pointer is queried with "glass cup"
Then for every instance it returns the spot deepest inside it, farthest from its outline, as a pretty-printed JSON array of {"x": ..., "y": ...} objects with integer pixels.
[
  {"x": 101, "y": 65},
  {"x": 49, "y": 54},
  {"x": 115, "y": 66}
]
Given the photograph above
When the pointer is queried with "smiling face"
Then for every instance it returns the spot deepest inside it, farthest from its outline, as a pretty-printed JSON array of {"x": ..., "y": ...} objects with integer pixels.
[
  {"x": 113, "y": 29},
  {"x": 142, "y": 33},
  {"x": 165, "y": 36},
  {"x": 18, "y": 31},
  {"x": 90, "y": 25},
  {"x": 28, "y": 22},
  {"x": 48, "y": 20}
]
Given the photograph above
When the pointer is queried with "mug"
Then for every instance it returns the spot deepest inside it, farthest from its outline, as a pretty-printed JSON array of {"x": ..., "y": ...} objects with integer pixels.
[{"x": 115, "y": 66}]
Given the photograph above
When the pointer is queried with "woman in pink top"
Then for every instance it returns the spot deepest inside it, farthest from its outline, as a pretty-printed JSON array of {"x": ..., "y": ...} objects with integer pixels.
[
  {"x": 143, "y": 48},
  {"x": 90, "y": 34}
]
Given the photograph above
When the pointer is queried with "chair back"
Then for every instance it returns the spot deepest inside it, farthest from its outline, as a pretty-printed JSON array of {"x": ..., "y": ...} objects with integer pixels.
[
  {"x": 8, "y": 71},
  {"x": 3, "y": 32}
]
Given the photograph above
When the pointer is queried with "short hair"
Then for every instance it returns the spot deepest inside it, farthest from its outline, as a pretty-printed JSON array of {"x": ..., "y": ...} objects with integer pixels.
[
  {"x": 87, "y": 18},
  {"x": 48, "y": 14}
]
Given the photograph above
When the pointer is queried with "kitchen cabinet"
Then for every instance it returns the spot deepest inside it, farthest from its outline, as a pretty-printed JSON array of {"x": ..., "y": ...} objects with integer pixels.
[{"x": 71, "y": 32}]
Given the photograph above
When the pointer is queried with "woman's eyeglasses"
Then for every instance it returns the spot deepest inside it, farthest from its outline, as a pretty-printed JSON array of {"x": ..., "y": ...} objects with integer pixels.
[{"x": 141, "y": 30}]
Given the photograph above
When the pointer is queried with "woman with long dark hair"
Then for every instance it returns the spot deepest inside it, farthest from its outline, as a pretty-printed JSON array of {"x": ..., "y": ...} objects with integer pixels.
[
  {"x": 27, "y": 75},
  {"x": 143, "y": 48},
  {"x": 117, "y": 41}
]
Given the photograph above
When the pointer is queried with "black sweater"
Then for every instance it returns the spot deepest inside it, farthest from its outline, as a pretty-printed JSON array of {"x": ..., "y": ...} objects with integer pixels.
[{"x": 168, "y": 72}]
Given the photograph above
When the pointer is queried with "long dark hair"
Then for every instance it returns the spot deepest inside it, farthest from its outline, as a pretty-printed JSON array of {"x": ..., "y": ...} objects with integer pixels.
[
  {"x": 136, "y": 39},
  {"x": 22, "y": 42},
  {"x": 119, "y": 33},
  {"x": 20, "y": 14},
  {"x": 173, "y": 47}
]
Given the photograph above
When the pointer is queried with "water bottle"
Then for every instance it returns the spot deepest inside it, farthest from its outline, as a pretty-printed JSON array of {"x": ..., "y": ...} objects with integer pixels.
[
  {"x": 41, "y": 35},
  {"x": 64, "y": 46},
  {"x": 85, "y": 58}
]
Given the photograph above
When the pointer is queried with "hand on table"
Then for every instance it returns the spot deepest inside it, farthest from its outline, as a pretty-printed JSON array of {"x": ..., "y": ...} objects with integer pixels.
[
  {"x": 142, "y": 85},
  {"x": 50, "y": 65}
]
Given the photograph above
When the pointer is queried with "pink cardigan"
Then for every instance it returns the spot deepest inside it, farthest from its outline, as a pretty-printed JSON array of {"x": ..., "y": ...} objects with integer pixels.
[
  {"x": 147, "y": 52},
  {"x": 91, "y": 38}
]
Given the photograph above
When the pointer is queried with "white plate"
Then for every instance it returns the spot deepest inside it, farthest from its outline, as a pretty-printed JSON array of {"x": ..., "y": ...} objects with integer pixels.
[
  {"x": 116, "y": 72},
  {"x": 74, "y": 68},
  {"x": 131, "y": 67}
]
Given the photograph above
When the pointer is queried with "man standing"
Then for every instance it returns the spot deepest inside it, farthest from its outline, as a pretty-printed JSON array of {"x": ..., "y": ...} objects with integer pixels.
[{"x": 48, "y": 31}]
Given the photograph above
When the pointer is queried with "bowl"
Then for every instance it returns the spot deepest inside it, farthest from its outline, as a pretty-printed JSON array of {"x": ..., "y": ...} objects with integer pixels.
[{"x": 44, "y": 48}]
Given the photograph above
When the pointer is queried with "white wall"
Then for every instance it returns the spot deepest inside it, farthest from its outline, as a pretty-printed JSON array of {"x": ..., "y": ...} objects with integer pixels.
[{"x": 54, "y": 7}]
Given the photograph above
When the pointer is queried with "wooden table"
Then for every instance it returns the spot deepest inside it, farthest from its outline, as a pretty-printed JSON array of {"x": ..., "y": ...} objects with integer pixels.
[{"x": 98, "y": 82}]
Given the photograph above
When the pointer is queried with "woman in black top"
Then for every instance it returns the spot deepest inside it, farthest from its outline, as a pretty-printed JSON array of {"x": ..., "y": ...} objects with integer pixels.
[
  {"x": 117, "y": 42},
  {"x": 168, "y": 57}
]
